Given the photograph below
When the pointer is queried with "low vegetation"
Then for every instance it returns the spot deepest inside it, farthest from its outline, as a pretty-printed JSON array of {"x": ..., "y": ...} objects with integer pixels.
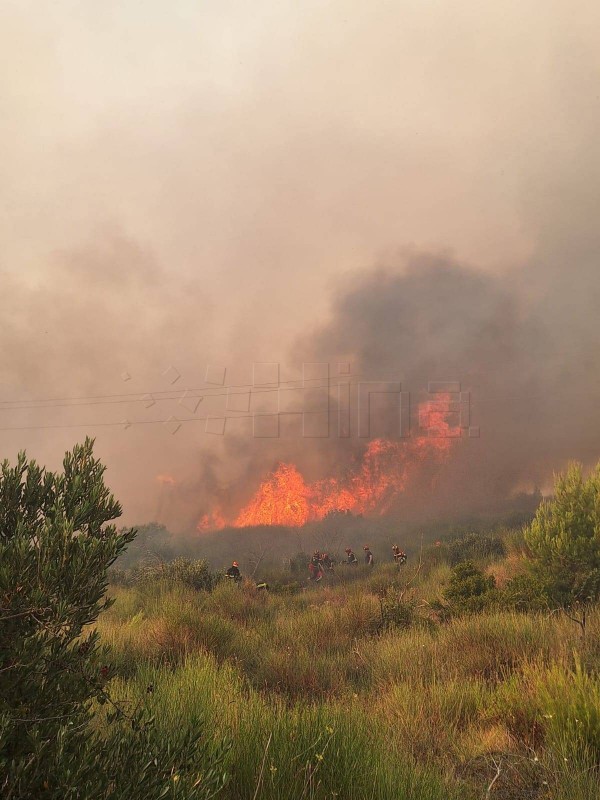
[{"x": 469, "y": 672}]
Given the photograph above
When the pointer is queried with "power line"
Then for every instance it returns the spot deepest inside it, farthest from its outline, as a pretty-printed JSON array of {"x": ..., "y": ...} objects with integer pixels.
[
  {"x": 144, "y": 396},
  {"x": 152, "y": 399},
  {"x": 227, "y": 413},
  {"x": 128, "y": 423}
]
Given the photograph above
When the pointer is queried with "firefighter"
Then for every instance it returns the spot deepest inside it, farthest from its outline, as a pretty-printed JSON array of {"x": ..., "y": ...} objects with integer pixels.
[
  {"x": 351, "y": 558},
  {"x": 369, "y": 561},
  {"x": 327, "y": 562},
  {"x": 234, "y": 572},
  {"x": 399, "y": 555},
  {"x": 315, "y": 568}
]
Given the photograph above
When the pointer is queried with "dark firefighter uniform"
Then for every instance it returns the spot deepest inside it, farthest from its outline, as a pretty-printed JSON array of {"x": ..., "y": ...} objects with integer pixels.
[{"x": 234, "y": 572}]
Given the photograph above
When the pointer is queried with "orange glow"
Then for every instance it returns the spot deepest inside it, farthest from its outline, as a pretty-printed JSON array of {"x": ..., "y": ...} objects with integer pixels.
[
  {"x": 384, "y": 472},
  {"x": 283, "y": 499}
]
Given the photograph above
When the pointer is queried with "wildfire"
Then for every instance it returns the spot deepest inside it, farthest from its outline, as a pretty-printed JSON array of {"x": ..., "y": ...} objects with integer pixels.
[{"x": 371, "y": 486}]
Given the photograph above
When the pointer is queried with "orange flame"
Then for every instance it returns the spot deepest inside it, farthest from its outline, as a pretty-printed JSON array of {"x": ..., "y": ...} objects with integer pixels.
[{"x": 385, "y": 471}]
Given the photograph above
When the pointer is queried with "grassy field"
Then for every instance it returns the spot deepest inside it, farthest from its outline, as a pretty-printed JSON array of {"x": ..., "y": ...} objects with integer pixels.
[{"x": 322, "y": 693}]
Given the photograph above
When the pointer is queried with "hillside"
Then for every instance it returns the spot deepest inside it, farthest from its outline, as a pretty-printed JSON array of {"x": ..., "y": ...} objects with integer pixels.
[{"x": 374, "y": 683}]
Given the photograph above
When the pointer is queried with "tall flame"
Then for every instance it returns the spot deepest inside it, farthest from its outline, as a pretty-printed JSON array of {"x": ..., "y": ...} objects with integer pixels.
[{"x": 372, "y": 486}]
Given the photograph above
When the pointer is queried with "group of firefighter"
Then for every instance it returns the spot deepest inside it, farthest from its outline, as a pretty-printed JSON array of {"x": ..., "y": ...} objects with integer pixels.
[{"x": 322, "y": 563}]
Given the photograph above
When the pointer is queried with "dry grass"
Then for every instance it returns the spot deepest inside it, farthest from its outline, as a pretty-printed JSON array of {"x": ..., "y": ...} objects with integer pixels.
[{"x": 444, "y": 702}]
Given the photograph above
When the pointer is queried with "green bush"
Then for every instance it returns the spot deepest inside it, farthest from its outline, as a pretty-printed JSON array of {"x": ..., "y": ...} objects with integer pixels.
[
  {"x": 564, "y": 538},
  {"x": 525, "y": 593},
  {"x": 55, "y": 550},
  {"x": 468, "y": 547},
  {"x": 475, "y": 546},
  {"x": 469, "y": 589},
  {"x": 395, "y": 611}
]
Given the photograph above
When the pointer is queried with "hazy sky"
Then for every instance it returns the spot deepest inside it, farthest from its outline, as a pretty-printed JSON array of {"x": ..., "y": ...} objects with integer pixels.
[{"x": 191, "y": 183}]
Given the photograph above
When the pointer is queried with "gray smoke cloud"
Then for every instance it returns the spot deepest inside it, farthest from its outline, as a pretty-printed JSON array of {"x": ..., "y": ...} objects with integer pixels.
[
  {"x": 529, "y": 369},
  {"x": 412, "y": 188}
]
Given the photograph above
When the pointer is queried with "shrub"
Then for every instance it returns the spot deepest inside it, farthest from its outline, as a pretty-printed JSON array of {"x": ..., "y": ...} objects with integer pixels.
[
  {"x": 571, "y": 702},
  {"x": 469, "y": 589},
  {"x": 525, "y": 593},
  {"x": 299, "y": 565},
  {"x": 564, "y": 538},
  {"x": 395, "y": 610},
  {"x": 192, "y": 573},
  {"x": 475, "y": 546},
  {"x": 55, "y": 550}
]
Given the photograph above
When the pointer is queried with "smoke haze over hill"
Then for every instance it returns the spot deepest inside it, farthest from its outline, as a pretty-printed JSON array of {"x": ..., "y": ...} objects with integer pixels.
[{"x": 187, "y": 190}]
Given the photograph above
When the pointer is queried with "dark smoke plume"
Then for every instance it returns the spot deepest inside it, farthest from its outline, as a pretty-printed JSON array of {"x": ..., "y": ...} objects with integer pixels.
[{"x": 217, "y": 184}]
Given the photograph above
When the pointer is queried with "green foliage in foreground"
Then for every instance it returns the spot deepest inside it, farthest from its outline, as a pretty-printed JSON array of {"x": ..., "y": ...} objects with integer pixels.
[
  {"x": 302, "y": 751},
  {"x": 564, "y": 538},
  {"x": 55, "y": 550},
  {"x": 356, "y": 688}
]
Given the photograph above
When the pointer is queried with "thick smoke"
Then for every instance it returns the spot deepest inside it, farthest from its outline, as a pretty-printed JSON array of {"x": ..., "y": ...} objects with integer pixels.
[
  {"x": 526, "y": 365},
  {"x": 525, "y": 358},
  {"x": 210, "y": 185}
]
